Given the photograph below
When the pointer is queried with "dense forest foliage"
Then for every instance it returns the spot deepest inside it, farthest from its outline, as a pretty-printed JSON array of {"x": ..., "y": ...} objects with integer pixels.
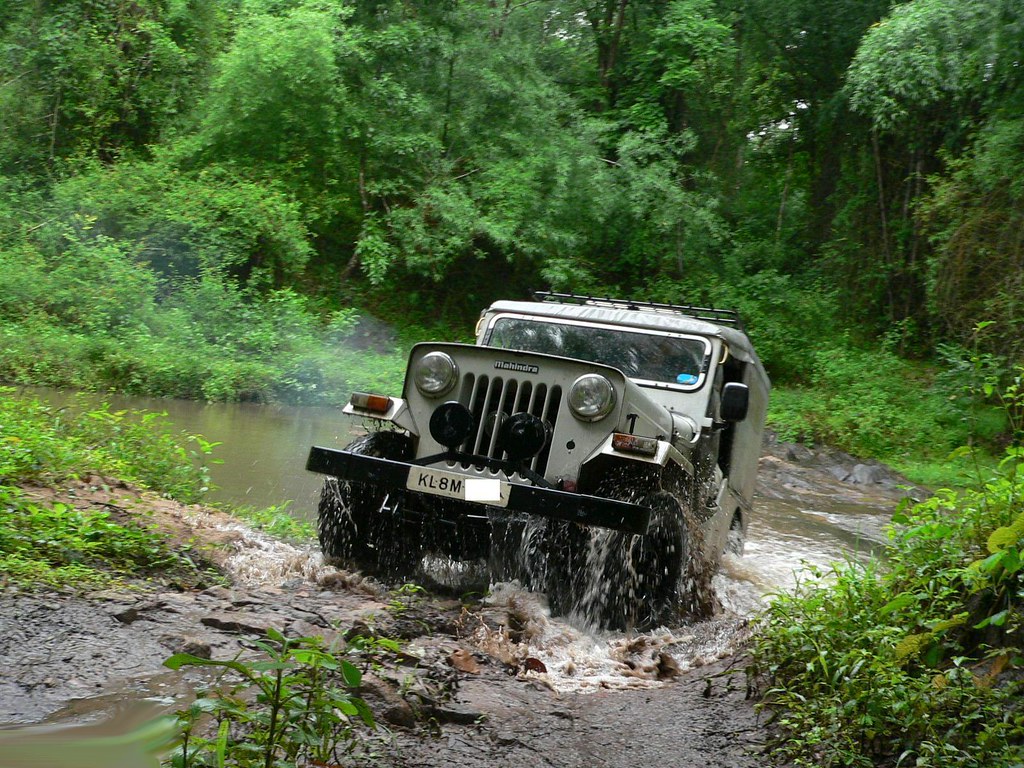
[{"x": 196, "y": 197}]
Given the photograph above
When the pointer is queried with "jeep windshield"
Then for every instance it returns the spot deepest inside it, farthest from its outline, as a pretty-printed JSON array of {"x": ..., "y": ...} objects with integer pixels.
[{"x": 646, "y": 356}]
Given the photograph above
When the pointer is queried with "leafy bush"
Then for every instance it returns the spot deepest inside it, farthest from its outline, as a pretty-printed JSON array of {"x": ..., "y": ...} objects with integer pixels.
[
  {"x": 59, "y": 545},
  {"x": 870, "y": 403},
  {"x": 39, "y": 442},
  {"x": 916, "y": 664},
  {"x": 294, "y": 707},
  {"x": 203, "y": 338},
  {"x": 278, "y": 522},
  {"x": 183, "y": 224}
]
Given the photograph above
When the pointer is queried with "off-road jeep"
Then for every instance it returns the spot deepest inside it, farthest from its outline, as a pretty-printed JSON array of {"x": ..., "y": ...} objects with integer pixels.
[{"x": 603, "y": 451}]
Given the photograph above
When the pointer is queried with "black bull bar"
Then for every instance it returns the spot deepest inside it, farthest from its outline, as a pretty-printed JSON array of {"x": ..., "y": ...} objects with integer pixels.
[{"x": 547, "y": 502}]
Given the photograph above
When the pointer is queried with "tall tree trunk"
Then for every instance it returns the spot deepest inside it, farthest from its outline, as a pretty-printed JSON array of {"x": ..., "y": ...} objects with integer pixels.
[
  {"x": 884, "y": 223},
  {"x": 364, "y": 199},
  {"x": 607, "y": 21}
]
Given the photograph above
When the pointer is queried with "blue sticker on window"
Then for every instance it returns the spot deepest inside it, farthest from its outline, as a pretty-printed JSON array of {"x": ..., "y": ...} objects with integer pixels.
[{"x": 686, "y": 378}]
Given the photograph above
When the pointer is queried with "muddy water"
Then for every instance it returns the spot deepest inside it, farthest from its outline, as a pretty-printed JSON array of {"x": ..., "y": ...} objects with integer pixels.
[
  {"x": 801, "y": 515},
  {"x": 805, "y": 515},
  {"x": 262, "y": 451}
]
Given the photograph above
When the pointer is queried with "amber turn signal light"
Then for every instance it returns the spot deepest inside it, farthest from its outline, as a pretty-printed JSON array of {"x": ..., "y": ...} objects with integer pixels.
[
  {"x": 366, "y": 402},
  {"x": 645, "y": 446}
]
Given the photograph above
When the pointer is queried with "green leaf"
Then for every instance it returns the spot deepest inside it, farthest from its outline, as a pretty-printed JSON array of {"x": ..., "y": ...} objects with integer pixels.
[
  {"x": 222, "y": 742},
  {"x": 996, "y": 620},
  {"x": 346, "y": 707},
  {"x": 276, "y": 636},
  {"x": 992, "y": 562},
  {"x": 179, "y": 660},
  {"x": 351, "y": 674},
  {"x": 900, "y": 601},
  {"x": 1007, "y": 536}
]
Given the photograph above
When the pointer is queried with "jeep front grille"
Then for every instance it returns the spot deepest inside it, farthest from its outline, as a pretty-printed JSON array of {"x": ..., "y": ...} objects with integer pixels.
[{"x": 491, "y": 399}]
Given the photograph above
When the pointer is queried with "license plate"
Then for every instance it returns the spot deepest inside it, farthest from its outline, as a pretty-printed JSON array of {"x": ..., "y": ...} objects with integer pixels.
[{"x": 452, "y": 485}]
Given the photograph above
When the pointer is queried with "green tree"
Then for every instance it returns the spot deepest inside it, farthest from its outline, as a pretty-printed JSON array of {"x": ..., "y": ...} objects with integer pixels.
[
  {"x": 940, "y": 83},
  {"x": 94, "y": 79},
  {"x": 188, "y": 223}
]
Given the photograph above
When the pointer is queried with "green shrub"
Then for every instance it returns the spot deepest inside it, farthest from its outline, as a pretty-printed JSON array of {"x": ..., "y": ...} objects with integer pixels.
[
  {"x": 41, "y": 443},
  {"x": 58, "y": 545},
  {"x": 278, "y": 522},
  {"x": 907, "y": 664},
  {"x": 204, "y": 339},
  {"x": 186, "y": 224},
  {"x": 871, "y": 403},
  {"x": 294, "y": 706}
]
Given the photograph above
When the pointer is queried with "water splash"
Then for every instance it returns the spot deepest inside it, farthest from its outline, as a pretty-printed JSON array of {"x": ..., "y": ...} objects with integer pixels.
[
  {"x": 261, "y": 559},
  {"x": 518, "y": 629}
]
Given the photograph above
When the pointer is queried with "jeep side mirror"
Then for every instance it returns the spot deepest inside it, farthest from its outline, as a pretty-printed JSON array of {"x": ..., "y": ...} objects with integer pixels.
[{"x": 735, "y": 402}]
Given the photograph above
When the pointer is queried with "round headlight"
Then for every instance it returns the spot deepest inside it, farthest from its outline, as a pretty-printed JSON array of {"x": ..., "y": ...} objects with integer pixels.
[
  {"x": 436, "y": 373},
  {"x": 591, "y": 397}
]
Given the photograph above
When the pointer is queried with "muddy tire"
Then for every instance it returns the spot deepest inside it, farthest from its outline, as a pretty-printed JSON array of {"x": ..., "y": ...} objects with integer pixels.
[
  {"x": 657, "y": 561},
  {"x": 644, "y": 573},
  {"x": 517, "y": 551},
  {"x": 617, "y": 580},
  {"x": 361, "y": 526}
]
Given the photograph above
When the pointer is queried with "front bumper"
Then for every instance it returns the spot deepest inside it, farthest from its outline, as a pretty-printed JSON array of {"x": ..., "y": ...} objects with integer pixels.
[{"x": 547, "y": 502}]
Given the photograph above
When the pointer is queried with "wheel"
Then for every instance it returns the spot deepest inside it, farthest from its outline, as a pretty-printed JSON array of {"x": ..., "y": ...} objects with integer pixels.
[
  {"x": 618, "y": 580},
  {"x": 655, "y": 564},
  {"x": 642, "y": 575},
  {"x": 517, "y": 551},
  {"x": 361, "y": 525},
  {"x": 736, "y": 540}
]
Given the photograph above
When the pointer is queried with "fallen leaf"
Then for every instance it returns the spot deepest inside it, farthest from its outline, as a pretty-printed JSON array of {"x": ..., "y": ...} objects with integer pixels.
[
  {"x": 531, "y": 664},
  {"x": 463, "y": 661}
]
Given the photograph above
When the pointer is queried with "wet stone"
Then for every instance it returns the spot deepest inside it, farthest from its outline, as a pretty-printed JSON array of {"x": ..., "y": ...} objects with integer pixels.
[
  {"x": 242, "y": 623},
  {"x": 504, "y": 739},
  {"x": 463, "y": 661},
  {"x": 864, "y": 474},
  {"x": 127, "y": 616},
  {"x": 195, "y": 646},
  {"x": 218, "y": 592},
  {"x": 839, "y": 473},
  {"x": 301, "y": 628},
  {"x": 391, "y": 706}
]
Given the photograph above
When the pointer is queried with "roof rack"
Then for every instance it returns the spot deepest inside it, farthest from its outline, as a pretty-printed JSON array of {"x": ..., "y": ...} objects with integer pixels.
[{"x": 726, "y": 316}]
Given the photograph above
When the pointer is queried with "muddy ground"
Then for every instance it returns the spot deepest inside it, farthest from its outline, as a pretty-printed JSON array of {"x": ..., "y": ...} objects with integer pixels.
[{"x": 482, "y": 683}]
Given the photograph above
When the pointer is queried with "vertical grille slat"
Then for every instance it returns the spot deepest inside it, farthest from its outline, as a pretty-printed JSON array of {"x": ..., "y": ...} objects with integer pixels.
[
  {"x": 491, "y": 400},
  {"x": 496, "y": 415},
  {"x": 538, "y": 401},
  {"x": 549, "y": 412},
  {"x": 483, "y": 415}
]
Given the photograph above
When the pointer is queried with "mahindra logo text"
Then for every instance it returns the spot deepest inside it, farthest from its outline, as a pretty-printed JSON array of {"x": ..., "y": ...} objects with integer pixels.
[{"x": 504, "y": 365}]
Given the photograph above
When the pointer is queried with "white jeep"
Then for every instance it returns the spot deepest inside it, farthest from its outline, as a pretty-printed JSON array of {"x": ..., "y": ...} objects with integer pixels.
[{"x": 602, "y": 451}]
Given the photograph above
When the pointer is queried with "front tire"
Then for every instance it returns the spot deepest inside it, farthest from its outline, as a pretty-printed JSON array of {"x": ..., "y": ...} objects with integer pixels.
[
  {"x": 643, "y": 574},
  {"x": 361, "y": 525},
  {"x": 619, "y": 580},
  {"x": 517, "y": 550}
]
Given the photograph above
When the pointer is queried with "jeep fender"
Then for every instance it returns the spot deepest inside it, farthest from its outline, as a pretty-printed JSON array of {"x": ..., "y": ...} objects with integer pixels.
[
  {"x": 666, "y": 453},
  {"x": 398, "y": 414}
]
